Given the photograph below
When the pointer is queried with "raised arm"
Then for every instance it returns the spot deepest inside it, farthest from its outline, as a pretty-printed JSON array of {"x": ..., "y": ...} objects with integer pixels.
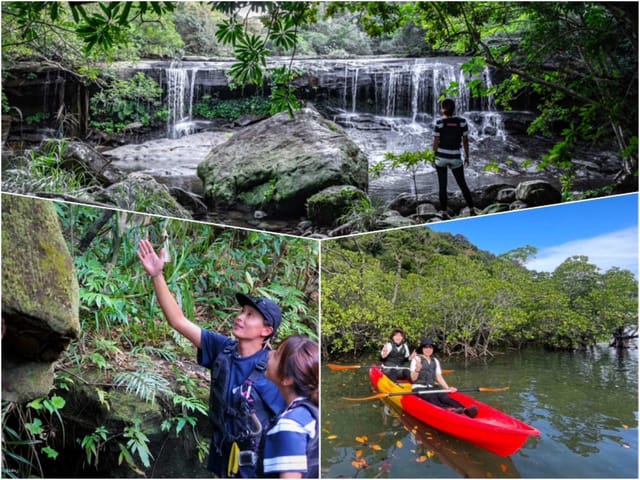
[{"x": 153, "y": 265}]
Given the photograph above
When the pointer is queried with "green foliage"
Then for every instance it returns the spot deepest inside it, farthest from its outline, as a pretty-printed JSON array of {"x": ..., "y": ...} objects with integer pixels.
[
  {"x": 144, "y": 383},
  {"x": 282, "y": 21},
  {"x": 409, "y": 161},
  {"x": 91, "y": 444},
  {"x": 126, "y": 101},
  {"x": 233, "y": 109},
  {"x": 127, "y": 344},
  {"x": 136, "y": 445},
  {"x": 361, "y": 217},
  {"x": 28, "y": 432},
  {"x": 439, "y": 285},
  {"x": 44, "y": 171}
]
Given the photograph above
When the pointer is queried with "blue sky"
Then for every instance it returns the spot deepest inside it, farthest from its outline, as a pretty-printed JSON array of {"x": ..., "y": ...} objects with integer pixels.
[{"x": 604, "y": 229}]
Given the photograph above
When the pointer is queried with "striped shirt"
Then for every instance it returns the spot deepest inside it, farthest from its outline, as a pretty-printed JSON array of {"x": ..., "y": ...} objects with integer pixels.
[
  {"x": 450, "y": 130},
  {"x": 285, "y": 448}
]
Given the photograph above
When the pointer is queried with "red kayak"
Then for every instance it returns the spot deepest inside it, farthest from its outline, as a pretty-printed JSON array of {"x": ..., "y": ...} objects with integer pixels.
[{"x": 491, "y": 429}]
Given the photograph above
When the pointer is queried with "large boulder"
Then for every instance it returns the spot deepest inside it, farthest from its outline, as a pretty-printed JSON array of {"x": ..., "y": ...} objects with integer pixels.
[
  {"x": 277, "y": 164},
  {"x": 40, "y": 297},
  {"x": 142, "y": 193}
]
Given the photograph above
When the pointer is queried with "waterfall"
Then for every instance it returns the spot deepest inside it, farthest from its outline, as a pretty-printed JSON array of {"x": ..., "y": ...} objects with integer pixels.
[
  {"x": 180, "y": 94},
  {"x": 411, "y": 91},
  {"x": 354, "y": 90},
  {"x": 390, "y": 89}
]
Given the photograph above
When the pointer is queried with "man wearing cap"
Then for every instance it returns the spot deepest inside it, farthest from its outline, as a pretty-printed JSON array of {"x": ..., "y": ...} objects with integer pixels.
[
  {"x": 425, "y": 371},
  {"x": 242, "y": 400}
]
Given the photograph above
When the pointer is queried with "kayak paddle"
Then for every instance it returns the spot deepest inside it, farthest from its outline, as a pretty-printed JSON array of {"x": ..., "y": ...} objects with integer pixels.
[
  {"x": 339, "y": 368},
  {"x": 414, "y": 392}
]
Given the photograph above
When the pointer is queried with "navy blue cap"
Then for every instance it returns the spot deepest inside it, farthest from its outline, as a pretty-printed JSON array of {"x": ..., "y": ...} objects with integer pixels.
[{"x": 268, "y": 308}]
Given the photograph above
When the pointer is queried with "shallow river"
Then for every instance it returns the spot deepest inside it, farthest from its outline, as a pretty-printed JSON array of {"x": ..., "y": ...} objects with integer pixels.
[{"x": 585, "y": 405}]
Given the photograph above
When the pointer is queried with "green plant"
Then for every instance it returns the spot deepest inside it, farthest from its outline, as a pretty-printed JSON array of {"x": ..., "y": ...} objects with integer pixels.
[
  {"x": 137, "y": 444},
  {"x": 45, "y": 171},
  {"x": 27, "y": 432},
  {"x": 36, "y": 118},
  {"x": 361, "y": 217},
  {"x": 91, "y": 444},
  {"x": 125, "y": 101},
  {"x": 143, "y": 382},
  {"x": 409, "y": 161},
  {"x": 209, "y": 107}
]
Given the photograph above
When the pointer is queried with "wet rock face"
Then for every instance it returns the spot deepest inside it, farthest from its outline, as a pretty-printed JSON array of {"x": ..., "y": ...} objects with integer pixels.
[{"x": 40, "y": 297}]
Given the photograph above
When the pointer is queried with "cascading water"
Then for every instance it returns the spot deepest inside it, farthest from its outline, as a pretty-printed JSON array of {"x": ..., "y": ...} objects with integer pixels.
[
  {"x": 391, "y": 106},
  {"x": 384, "y": 104},
  {"x": 180, "y": 93}
]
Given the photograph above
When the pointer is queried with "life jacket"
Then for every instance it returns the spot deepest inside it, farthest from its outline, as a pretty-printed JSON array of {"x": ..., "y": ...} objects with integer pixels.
[
  {"x": 427, "y": 374},
  {"x": 238, "y": 424},
  {"x": 313, "y": 450},
  {"x": 397, "y": 355}
]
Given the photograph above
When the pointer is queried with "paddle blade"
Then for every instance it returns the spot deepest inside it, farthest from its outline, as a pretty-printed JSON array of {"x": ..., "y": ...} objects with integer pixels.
[
  {"x": 364, "y": 399},
  {"x": 333, "y": 366},
  {"x": 492, "y": 390}
]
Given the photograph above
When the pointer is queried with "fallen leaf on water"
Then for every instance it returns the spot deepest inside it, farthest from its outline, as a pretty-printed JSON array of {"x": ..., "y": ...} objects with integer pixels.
[
  {"x": 362, "y": 463},
  {"x": 376, "y": 447},
  {"x": 503, "y": 468},
  {"x": 421, "y": 458},
  {"x": 362, "y": 439},
  {"x": 399, "y": 444},
  {"x": 332, "y": 437},
  {"x": 358, "y": 453}
]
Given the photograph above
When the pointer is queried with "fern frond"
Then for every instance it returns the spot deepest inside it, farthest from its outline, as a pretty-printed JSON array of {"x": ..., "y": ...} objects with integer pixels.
[{"x": 143, "y": 383}]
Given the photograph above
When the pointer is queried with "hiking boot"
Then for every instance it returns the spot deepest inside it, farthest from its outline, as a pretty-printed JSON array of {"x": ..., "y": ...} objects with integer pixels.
[{"x": 471, "y": 411}]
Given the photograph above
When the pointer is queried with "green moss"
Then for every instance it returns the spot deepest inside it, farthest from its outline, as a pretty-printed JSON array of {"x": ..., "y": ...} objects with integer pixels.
[{"x": 38, "y": 275}]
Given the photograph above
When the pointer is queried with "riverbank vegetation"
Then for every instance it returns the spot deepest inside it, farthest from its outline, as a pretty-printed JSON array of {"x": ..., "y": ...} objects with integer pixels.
[
  {"x": 472, "y": 302},
  {"x": 127, "y": 349}
]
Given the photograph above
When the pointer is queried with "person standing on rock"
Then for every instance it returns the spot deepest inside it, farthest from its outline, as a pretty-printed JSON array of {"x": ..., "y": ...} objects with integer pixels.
[
  {"x": 242, "y": 400},
  {"x": 451, "y": 133}
]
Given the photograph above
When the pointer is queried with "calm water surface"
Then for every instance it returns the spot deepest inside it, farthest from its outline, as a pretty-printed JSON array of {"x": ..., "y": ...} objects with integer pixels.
[{"x": 585, "y": 405}]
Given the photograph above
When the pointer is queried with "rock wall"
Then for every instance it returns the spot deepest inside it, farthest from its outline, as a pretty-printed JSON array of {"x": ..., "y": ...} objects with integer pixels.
[{"x": 40, "y": 297}]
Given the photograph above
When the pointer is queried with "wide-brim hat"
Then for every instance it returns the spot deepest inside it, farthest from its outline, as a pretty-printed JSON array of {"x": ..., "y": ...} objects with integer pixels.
[{"x": 268, "y": 308}]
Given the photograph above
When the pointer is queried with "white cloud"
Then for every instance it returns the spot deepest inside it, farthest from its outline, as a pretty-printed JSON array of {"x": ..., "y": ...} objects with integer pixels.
[{"x": 615, "y": 249}]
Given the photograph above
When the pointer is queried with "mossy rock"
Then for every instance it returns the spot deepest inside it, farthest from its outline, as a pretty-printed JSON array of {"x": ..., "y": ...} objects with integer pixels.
[
  {"x": 40, "y": 301},
  {"x": 327, "y": 206}
]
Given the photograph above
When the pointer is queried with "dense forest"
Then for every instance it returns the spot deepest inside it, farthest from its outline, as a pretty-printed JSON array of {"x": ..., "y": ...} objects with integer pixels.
[
  {"x": 126, "y": 347},
  {"x": 578, "y": 59},
  {"x": 472, "y": 302}
]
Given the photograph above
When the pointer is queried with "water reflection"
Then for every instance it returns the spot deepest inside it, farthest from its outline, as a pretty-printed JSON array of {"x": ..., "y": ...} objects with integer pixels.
[
  {"x": 467, "y": 460},
  {"x": 585, "y": 405}
]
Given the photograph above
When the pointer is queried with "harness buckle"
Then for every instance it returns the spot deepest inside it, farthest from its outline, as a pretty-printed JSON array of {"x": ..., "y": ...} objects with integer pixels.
[{"x": 247, "y": 458}]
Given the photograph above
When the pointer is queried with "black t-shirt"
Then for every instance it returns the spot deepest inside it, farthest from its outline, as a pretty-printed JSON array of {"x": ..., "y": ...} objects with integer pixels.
[{"x": 450, "y": 130}]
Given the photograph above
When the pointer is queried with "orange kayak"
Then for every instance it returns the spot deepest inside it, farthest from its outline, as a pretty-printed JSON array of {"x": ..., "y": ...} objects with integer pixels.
[{"x": 491, "y": 429}]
